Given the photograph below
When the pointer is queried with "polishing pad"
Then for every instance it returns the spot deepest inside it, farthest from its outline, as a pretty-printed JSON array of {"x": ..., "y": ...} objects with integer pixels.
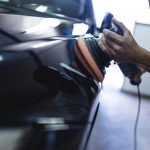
[{"x": 84, "y": 53}]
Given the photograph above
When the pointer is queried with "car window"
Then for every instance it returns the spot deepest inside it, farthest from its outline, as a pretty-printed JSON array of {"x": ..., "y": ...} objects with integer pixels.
[{"x": 71, "y": 8}]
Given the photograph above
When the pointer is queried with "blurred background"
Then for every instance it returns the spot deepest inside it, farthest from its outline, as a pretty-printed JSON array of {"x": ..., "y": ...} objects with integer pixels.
[
  {"x": 116, "y": 118},
  {"x": 135, "y": 14}
]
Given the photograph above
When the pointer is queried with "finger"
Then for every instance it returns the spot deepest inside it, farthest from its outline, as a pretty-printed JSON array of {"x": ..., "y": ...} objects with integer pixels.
[
  {"x": 110, "y": 48},
  {"x": 102, "y": 45},
  {"x": 113, "y": 45},
  {"x": 120, "y": 25},
  {"x": 142, "y": 70},
  {"x": 105, "y": 47},
  {"x": 112, "y": 35}
]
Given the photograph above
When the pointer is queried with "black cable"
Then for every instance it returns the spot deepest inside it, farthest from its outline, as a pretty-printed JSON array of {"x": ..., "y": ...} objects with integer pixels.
[{"x": 137, "y": 117}]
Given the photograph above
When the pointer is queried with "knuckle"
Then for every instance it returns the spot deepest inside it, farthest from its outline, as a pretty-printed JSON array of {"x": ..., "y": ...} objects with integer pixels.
[
  {"x": 106, "y": 33},
  {"x": 121, "y": 41},
  {"x": 120, "y": 23},
  {"x": 118, "y": 49},
  {"x": 128, "y": 32}
]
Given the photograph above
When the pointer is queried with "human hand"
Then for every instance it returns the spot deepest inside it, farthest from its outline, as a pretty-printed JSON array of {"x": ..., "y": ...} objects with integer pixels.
[
  {"x": 121, "y": 48},
  {"x": 136, "y": 78}
]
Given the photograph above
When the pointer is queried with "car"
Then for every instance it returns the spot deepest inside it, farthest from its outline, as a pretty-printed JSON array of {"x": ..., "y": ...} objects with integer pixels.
[{"x": 48, "y": 100}]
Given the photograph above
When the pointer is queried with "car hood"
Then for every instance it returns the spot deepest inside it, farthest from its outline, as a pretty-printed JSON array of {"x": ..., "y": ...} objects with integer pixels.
[{"x": 24, "y": 28}]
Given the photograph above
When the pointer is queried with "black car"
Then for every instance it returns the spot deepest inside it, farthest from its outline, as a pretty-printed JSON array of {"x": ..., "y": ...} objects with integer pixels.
[{"x": 48, "y": 100}]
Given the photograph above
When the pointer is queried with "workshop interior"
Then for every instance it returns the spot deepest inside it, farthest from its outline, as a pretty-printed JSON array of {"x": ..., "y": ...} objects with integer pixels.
[{"x": 58, "y": 89}]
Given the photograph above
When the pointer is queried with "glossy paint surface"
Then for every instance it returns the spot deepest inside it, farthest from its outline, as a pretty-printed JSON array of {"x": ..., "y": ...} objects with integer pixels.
[{"x": 47, "y": 97}]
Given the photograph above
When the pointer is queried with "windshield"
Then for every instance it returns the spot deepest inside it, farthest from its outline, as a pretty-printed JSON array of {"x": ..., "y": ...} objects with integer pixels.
[{"x": 71, "y": 8}]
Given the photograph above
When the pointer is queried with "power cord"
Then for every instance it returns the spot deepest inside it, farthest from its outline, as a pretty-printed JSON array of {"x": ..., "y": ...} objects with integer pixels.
[{"x": 137, "y": 117}]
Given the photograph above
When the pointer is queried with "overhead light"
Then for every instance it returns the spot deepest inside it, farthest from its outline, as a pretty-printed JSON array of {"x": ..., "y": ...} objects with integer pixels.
[
  {"x": 42, "y": 8},
  {"x": 1, "y": 58},
  {"x": 4, "y": 0},
  {"x": 46, "y": 120},
  {"x": 55, "y": 127}
]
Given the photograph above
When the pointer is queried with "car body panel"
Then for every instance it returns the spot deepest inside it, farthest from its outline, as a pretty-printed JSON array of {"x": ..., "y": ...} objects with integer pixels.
[{"x": 46, "y": 93}]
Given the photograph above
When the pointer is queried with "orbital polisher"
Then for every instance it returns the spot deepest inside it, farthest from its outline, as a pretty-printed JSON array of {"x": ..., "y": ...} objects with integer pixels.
[{"x": 95, "y": 60}]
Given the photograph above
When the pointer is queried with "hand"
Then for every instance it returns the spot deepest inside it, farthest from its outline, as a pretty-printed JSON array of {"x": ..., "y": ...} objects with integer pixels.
[
  {"x": 137, "y": 75},
  {"x": 122, "y": 48}
]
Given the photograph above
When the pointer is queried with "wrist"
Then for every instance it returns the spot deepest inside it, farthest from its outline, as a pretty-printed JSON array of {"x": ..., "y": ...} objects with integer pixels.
[
  {"x": 143, "y": 59},
  {"x": 140, "y": 55}
]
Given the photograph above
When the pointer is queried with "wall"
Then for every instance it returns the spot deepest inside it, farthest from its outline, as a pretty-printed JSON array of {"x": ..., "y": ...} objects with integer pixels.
[{"x": 142, "y": 36}]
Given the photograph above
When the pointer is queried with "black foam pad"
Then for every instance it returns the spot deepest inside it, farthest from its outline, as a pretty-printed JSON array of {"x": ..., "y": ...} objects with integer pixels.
[{"x": 89, "y": 58}]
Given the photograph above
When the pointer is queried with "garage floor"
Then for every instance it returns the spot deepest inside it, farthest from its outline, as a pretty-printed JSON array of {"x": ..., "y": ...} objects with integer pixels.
[{"x": 115, "y": 122}]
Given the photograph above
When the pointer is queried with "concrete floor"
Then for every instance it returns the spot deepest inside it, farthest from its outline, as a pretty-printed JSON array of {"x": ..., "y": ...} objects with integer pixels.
[{"x": 114, "y": 127}]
